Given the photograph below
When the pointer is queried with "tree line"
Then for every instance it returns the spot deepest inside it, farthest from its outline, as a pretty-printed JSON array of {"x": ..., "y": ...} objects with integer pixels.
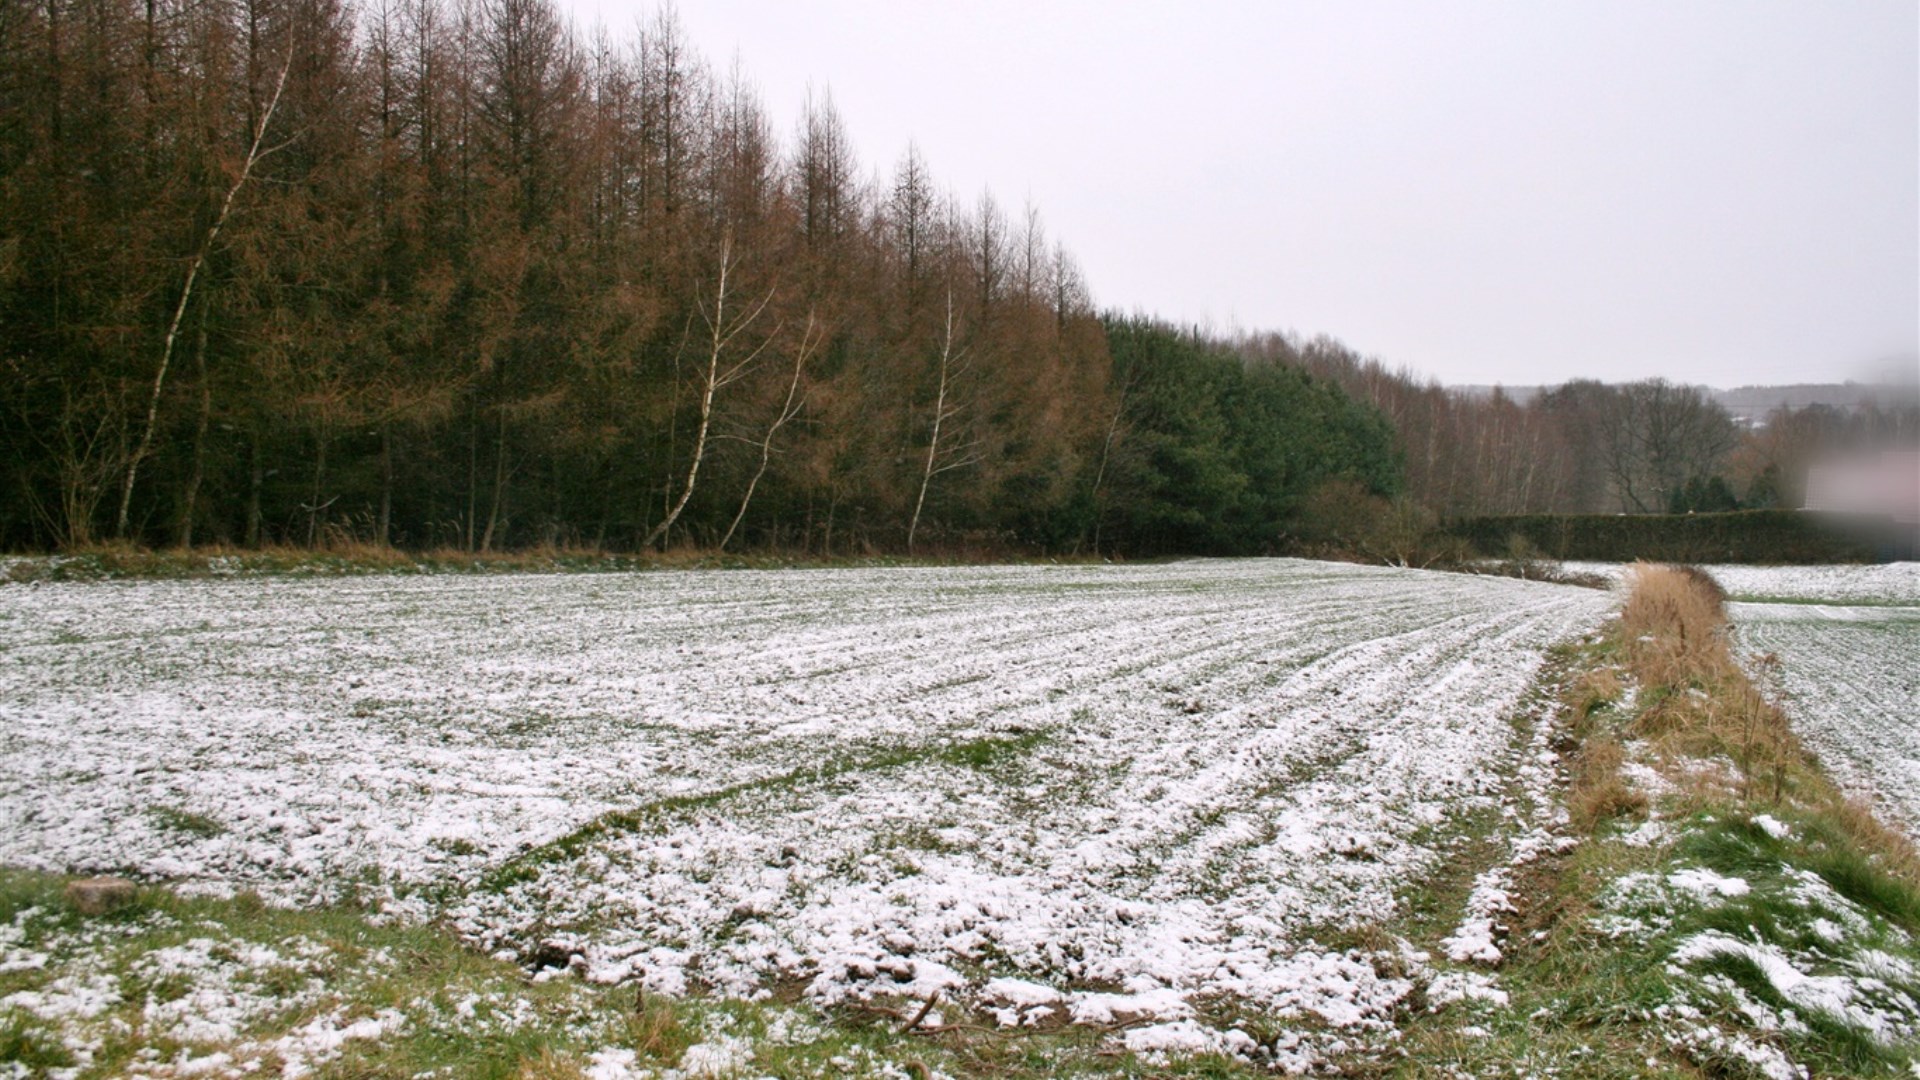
[
  {"x": 1587, "y": 447},
  {"x": 450, "y": 274}
]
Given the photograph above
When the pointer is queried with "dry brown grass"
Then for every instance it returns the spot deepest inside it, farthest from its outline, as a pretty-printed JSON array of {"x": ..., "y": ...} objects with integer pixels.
[
  {"x": 339, "y": 552},
  {"x": 1893, "y": 848},
  {"x": 1592, "y": 691},
  {"x": 1675, "y": 626},
  {"x": 1599, "y": 793},
  {"x": 655, "y": 1030},
  {"x": 551, "y": 1066},
  {"x": 1701, "y": 703}
]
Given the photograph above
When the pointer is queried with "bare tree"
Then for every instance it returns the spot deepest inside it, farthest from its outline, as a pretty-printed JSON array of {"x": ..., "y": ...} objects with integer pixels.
[
  {"x": 989, "y": 255},
  {"x": 1688, "y": 434},
  {"x": 1655, "y": 436},
  {"x": 910, "y": 212},
  {"x": 80, "y": 447},
  {"x": 1069, "y": 289},
  {"x": 943, "y": 458},
  {"x": 722, "y": 331},
  {"x": 823, "y": 174},
  {"x": 789, "y": 409},
  {"x": 255, "y": 151},
  {"x": 1033, "y": 268}
]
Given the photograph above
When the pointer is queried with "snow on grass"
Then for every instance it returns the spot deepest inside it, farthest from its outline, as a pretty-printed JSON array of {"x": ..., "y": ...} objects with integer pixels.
[
  {"x": 1132, "y": 786},
  {"x": 1843, "y": 998},
  {"x": 1534, "y": 824},
  {"x": 201, "y": 998},
  {"x": 1825, "y": 966},
  {"x": 1474, "y": 940}
]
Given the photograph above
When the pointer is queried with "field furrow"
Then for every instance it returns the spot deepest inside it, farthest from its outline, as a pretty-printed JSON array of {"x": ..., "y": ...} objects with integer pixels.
[
  {"x": 1126, "y": 777},
  {"x": 1851, "y": 676}
]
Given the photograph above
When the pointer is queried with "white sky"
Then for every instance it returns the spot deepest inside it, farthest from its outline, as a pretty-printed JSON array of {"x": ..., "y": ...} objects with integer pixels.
[{"x": 1524, "y": 192}]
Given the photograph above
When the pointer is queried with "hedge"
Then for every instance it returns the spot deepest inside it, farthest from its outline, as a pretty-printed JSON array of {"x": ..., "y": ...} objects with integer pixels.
[{"x": 1745, "y": 536}]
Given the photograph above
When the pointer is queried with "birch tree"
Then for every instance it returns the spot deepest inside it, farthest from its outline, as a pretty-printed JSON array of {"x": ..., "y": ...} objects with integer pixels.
[
  {"x": 716, "y": 373},
  {"x": 256, "y": 150},
  {"x": 944, "y": 456},
  {"x": 789, "y": 409}
]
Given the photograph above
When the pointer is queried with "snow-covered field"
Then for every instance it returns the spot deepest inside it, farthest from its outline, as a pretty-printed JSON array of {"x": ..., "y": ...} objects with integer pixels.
[
  {"x": 1888, "y": 583},
  {"x": 1851, "y": 677},
  {"x": 1103, "y": 792}
]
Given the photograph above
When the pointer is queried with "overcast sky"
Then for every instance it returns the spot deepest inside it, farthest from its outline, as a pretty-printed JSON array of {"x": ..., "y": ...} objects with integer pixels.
[{"x": 1521, "y": 192}]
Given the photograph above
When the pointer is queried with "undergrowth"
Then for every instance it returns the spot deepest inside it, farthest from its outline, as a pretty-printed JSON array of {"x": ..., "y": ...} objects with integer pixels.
[{"x": 108, "y": 562}]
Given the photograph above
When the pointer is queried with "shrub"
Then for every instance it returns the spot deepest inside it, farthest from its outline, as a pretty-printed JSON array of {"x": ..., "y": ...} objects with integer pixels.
[{"x": 1748, "y": 536}]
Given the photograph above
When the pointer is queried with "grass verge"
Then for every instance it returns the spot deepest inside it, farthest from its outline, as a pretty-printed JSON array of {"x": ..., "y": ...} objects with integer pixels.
[{"x": 1729, "y": 912}]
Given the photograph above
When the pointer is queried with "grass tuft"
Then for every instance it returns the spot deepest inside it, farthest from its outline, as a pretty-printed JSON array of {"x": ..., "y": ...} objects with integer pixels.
[
  {"x": 187, "y": 822},
  {"x": 1599, "y": 793},
  {"x": 34, "y": 1049}
]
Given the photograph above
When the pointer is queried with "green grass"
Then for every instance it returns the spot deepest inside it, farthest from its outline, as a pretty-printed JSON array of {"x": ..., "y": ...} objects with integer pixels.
[
  {"x": 23, "y": 1043},
  {"x": 990, "y": 753},
  {"x": 1815, "y": 601},
  {"x": 187, "y": 822},
  {"x": 1574, "y": 1004},
  {"x": 461, "y": 1013},
  {"x": 1595, "y": 989},
  {"x": 1777, "y": 913},
  {"x": 987, "y": 753}
]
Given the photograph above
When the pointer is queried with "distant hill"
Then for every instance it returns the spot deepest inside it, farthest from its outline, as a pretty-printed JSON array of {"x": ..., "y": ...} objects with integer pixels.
[
  {"x": 1520, "y": 394},
  {"x": 1751, "y": 404}
]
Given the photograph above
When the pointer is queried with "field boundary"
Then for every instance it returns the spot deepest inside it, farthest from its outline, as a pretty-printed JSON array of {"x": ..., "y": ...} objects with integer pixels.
[{"x": 1720, "y": 877}]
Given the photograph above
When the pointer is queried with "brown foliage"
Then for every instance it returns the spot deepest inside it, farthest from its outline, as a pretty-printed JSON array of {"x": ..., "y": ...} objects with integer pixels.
[{"x": 461, "y": 294}]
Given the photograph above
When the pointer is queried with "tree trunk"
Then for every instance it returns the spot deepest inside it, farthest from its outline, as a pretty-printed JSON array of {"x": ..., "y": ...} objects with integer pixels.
[
  {"x": 720, "y": 334},
  {"x": 256, "y": 476},
  {"x": 1100, "y": 474},
  {"x": 383, "y": 534},
  {"x": 145, "y": 445},
  {"x": 315, "y": 508},
  {"x": 940, "y": 414},
  {"x": 788, "y": 410},
  {"x": 473, "y": 474},
  {"x": 191, "y": 495},
  {"x": 499, "y": 481}
]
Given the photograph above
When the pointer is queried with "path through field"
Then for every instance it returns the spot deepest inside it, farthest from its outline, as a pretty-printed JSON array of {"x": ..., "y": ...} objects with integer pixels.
[{"x": 1157, "y": 780}]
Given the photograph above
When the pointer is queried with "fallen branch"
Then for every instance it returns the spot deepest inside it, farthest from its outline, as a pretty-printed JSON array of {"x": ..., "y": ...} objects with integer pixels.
[{"x": 922, "y": 1014}]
